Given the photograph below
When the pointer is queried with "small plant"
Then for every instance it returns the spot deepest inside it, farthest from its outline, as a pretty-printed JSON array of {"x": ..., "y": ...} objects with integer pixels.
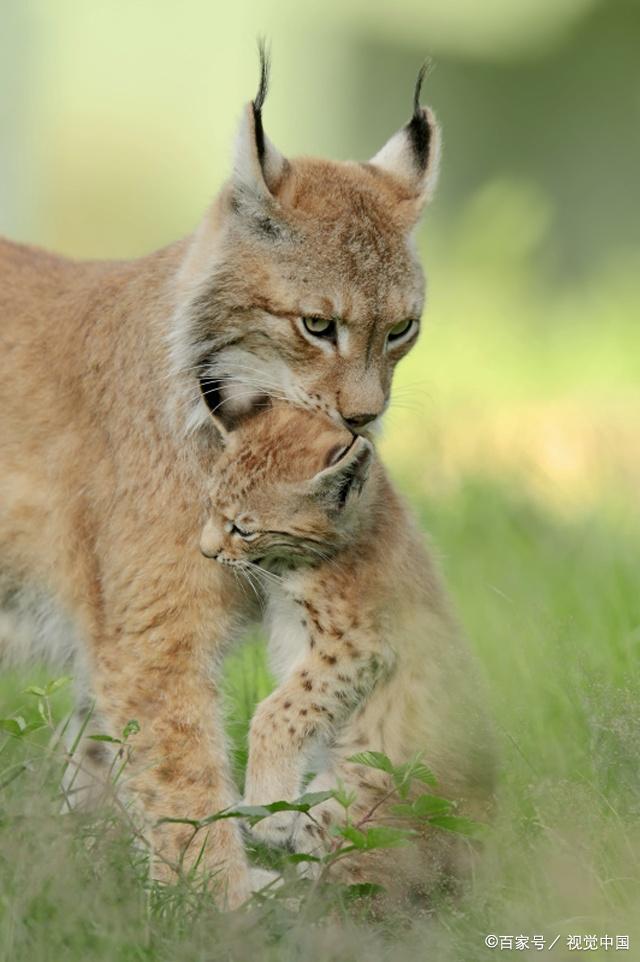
[
  {"x": 361, "y": 835},
  {"x": 409, "y": 808}
]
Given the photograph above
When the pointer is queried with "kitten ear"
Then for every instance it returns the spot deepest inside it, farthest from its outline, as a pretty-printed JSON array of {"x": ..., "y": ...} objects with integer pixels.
[
  {"x": 412, "y": 155},
  {"x": 346, "y": 472},
  {"x": 258, "y": 166}
]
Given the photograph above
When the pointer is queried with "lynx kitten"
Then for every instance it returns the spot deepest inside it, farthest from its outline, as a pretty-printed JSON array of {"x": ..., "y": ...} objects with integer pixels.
[{"x": 361, "y": 638}]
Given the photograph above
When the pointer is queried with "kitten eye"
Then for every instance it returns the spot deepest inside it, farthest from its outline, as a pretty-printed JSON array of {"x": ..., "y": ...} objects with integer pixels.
[
  {"x": 400, "y": 329},
  {"x": 320, "y": 327},
  {"x": 245, "y": 535}
]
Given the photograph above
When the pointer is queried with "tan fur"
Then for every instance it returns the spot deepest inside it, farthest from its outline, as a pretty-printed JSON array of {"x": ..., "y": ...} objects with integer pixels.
[
  {"x": 106, "y": 442},
  {"x": 365, "y": 648}
]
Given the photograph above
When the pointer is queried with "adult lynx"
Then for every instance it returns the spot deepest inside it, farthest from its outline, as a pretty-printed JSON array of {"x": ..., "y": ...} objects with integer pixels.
[
  {"x": 364, "y": 647},
  {"x": 301, "y": 281}
]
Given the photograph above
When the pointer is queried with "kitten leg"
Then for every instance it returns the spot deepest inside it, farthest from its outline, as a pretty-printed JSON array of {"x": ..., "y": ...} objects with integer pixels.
[{"x": 320, "y": 693}]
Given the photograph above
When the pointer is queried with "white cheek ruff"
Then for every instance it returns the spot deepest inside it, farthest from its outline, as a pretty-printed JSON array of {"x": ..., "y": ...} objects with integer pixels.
[{"x": 243, "y": 376}]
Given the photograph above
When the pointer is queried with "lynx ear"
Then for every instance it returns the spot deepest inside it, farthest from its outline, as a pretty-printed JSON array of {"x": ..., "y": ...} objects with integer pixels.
[
  {"x": 258, "y": 166},
  {"x": 346, "y": 472},
  {"x": 412, "y": 155}
]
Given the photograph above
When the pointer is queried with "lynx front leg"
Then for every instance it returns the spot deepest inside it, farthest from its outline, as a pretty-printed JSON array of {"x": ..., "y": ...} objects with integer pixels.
[
  {"x": 154, "y": 662},
  {"x": 320, "y": 694}
]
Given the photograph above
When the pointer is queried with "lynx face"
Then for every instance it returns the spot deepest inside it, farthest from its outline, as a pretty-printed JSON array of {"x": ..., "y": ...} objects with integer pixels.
[
  {"x": 303, "y": 283},
  {"x": 287, "y": 491}
]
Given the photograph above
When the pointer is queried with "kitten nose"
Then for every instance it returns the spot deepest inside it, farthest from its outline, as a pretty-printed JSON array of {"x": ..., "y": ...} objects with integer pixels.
[{"x": 358, "y": 420}]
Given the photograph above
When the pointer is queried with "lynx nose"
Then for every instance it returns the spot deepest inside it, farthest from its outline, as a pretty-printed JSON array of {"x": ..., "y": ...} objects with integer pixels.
[{"x": 358, "y": 420}]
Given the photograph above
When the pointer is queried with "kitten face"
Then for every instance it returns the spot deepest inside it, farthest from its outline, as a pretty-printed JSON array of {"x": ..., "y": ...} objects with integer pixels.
[{"x": 288, "y": 490}]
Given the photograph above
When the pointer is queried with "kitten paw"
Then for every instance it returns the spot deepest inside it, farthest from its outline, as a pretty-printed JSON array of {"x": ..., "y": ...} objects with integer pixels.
[{"x": 276, "y": 830}]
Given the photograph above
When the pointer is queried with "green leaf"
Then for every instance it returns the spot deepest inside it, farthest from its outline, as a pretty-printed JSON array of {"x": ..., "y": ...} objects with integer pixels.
[
  {"x": 57, "y": 684},
  {"x": 302, "y": 804},
  {"x": 404, "y": 775},
  {"x": 310, "y": 799},
  {"x": 13, "y": 726},
  {"x": 344, "y": 797},
  {"x": 18, "y": 727},
  {"x": 35, "y": 690},
  {"x": 131, "y": 728},
  {"x": 386, "y": 836},
  {"x": 363, "y": 890},
  {"x": 33, "y": 726},
  {"x": 405, "y": 810},
  {"x": 381, "y": 836},
  {"x": 338, "y": 854},
  {"x": 426, "y": 805},
  {"x": 254, "y": 813},
  {"x": 459, "y": 824},
  {"x": 377, "y": 760},
  {"x": 424, "y": 774},
  {"x": 402, "y": 784},
  {"x": 357, "y": 838},
  {"x": 295, "y": 857},
  {"x": 105, "y": 738}
]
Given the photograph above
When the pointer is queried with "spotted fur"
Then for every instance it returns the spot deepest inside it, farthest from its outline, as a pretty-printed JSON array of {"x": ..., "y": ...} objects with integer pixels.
[{"x": 363, "y": 643}]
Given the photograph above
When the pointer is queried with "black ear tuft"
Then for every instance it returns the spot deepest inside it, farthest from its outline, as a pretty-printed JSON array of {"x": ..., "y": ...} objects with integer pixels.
[
  {"x": 261, "y": 96},
  {"x": 418, "y": 128}
]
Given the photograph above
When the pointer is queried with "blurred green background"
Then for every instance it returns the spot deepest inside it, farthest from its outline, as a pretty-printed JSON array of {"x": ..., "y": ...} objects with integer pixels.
[{"x": 514, "y": 426}]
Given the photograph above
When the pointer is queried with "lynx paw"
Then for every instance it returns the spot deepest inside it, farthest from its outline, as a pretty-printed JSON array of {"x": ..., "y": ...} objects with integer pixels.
[
  {"x": 314, "y": 835},
  {"x": 276, "y": 830},
  {"x": 262, "y": 878}
]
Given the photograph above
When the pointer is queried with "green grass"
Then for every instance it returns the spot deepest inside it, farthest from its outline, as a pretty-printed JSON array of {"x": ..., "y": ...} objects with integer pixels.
[{"x": 553, "y": 611}]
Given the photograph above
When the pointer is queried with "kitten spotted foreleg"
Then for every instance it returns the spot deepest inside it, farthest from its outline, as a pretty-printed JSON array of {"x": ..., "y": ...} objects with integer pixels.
[{"x": 317, "y": 697}]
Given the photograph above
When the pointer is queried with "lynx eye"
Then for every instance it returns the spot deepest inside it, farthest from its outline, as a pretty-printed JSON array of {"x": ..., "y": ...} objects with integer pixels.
[
  {"x": 245, "y": 535},
  {"x": 401, "y": 329},
  {"x": 320, "y": 327}
]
